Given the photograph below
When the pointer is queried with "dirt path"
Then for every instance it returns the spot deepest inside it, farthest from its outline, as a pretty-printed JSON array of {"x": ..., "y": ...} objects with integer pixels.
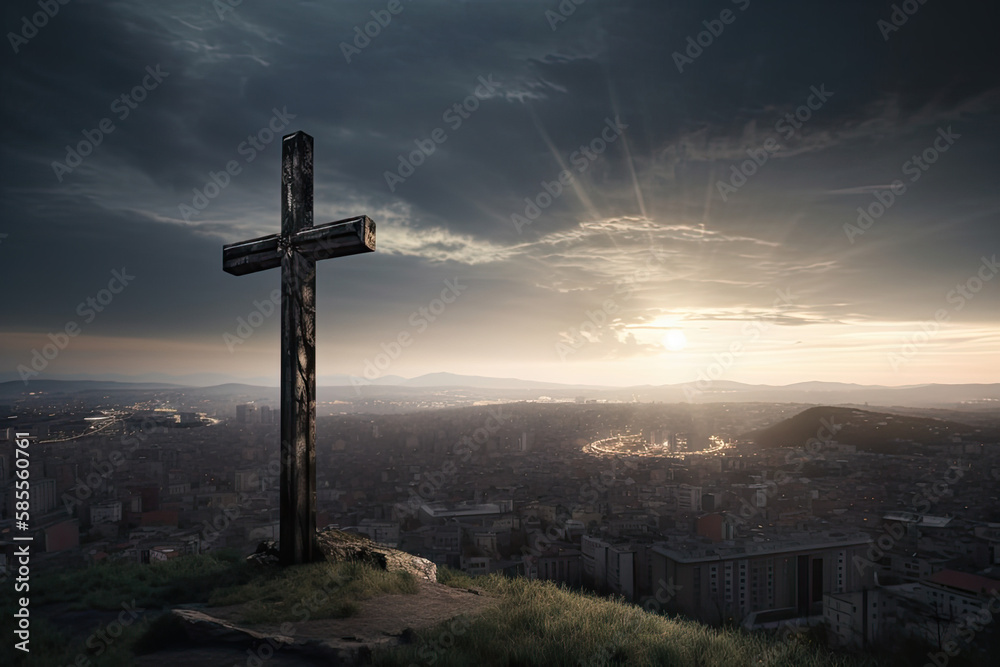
[
  {"x": 381, "y": 617},
  {"x": 382, "y": 620}
]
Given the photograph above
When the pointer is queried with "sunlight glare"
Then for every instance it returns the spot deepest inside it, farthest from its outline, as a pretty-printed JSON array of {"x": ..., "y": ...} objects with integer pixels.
[{"x": 674, "y": 340}]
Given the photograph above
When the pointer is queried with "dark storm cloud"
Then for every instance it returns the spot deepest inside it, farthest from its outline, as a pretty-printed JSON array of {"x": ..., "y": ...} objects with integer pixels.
[{"x": 539, "y": 95}]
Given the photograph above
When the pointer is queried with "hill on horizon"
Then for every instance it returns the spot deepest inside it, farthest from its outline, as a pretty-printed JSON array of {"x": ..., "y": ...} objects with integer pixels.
[{"x": 867, "y": 430}]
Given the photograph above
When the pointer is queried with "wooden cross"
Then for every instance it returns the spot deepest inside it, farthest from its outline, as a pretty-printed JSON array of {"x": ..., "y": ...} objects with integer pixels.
[{"x": 296, "y": 250}]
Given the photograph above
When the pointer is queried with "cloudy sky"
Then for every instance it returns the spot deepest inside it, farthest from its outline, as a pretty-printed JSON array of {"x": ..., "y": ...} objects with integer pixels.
[{"x": 610, "y": 192}]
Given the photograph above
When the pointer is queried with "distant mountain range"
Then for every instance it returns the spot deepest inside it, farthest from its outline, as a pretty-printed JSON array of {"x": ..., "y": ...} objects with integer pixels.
[
  {"x": 215, "y": 379},
  {"x": 344, "y": 387}
]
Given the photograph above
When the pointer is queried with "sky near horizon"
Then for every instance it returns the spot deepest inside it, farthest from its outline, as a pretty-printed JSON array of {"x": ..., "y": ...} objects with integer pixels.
[{"x": 604, "y": 193}]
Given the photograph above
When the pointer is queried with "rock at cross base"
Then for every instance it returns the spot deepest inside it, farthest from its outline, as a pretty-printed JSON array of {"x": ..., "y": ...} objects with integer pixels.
[{"x": 336, "y": 546}]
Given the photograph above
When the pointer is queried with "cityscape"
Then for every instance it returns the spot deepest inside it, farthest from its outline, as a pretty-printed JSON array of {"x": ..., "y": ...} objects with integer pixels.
[{"x": 881, "y": 525}]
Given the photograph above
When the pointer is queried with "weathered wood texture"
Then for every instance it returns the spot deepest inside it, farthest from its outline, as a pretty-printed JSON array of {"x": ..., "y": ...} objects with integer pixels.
[
  {"x": 334, "y": 239},
  {"x": 296, "y": 250}
]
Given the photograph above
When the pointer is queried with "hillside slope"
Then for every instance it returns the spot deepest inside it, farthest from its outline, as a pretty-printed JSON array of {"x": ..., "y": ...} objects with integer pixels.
[
  {"x": 207, "y": 610},
  {"x": 871, "y": 431}
]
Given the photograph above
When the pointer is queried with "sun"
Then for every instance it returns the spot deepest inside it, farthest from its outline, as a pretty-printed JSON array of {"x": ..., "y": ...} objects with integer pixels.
[{"x": 674, "y": 340}]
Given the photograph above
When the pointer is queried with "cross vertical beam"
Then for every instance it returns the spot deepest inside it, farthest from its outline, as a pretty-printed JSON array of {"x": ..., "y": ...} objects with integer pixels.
[
  {"x": 298, "y": 356},
  {"x": 296, "y": 250}
]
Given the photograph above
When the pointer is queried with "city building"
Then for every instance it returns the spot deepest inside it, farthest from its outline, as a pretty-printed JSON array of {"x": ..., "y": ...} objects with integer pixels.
[
  {"x": 267, "y": 415},
  {"x": 383, "y": 532},
  {"x": 246, "y": 413},
  {"x": 610, "y": 568},
  {"x": 852, "y": 619},
  {"x": 106, "y": 512},
  {"x": 729, "y": 580}
]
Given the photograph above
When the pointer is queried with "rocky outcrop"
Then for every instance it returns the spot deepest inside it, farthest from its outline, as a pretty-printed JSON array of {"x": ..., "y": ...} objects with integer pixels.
[
  {"x": 204, "y": 629},
  {"x": 336, "y": 546},
  {"x": 267, "y": 554},
  {"x": 201, "y": 627}
]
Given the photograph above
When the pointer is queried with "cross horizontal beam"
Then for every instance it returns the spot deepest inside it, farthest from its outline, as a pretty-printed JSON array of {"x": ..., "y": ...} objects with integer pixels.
[{"x": 335, "y": 239}]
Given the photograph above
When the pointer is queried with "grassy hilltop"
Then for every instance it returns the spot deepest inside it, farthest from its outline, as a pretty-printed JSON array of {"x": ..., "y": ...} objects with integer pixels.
[
  {"x": 526, "y": 622},
  {"x": 541, "y": 623}
]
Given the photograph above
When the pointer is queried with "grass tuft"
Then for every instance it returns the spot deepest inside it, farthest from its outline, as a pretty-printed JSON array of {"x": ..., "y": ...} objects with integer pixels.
[
  {"x": 540, "y": 623},
  {"x": 454, "y": 578},
  {"x": 318, "y": 590},
  {"x": 106, "y": 585}
]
